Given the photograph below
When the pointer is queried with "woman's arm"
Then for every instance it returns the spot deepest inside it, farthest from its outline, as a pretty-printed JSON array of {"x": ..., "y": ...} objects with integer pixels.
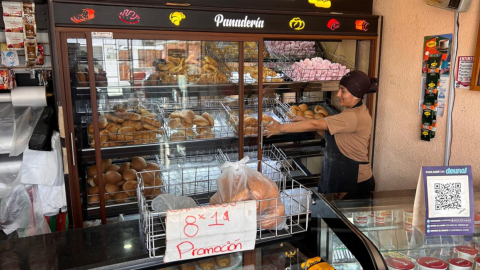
[{"x": 302, "y": 126}]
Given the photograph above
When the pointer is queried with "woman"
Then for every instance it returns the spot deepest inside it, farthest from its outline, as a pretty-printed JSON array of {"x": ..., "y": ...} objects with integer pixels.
[{"x": 347, "y": 135}]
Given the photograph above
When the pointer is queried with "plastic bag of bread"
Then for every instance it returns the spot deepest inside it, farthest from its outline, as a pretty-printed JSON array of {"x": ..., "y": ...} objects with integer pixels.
[
  {"x": 165, "y": 202},
  {"x": 238, "y": 182}
]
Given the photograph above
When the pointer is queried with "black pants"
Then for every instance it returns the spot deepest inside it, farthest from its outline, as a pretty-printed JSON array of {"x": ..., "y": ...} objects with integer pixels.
[{"x": 364, "y": 190}]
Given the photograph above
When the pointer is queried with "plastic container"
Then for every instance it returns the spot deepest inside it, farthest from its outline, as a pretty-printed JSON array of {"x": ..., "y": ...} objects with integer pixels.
[
  {"x": 431, "y": 263},
  {"x": 399, "y": 264},
  {"x": 459, "y": 264},
  {"x": 466, "y": 252}
]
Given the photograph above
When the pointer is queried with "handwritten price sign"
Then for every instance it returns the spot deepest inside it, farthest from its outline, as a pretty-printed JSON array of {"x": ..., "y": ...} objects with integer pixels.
[{"x": 210, "y": 230}]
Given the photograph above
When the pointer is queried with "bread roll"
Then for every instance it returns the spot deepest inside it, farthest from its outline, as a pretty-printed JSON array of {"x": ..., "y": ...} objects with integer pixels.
[
  {"x": 138, "y": 163},
  {"x": 93, "y": 190},
  {"x": 91, "y": 182},
  {"x": 318, "y": 108},
  {"x": 148, "y": 191},
  {"x": 147, "y": 177},
  {"x": 205, "y": 135},
  {"x": 318, "y": 116},
  {"x": 95, "y": 199},
  {"x": 102, "y": 122},
  {"x": 104, "y": 136},
  {"x": 250, "y": 131},
  {"x": 114, "y": 118},
  {"x": 91, "y": 130},
  {"x": 130, "y": 188},
  {"x": 308, "y": 112},
  {"x": 174, "y": 123},
  {"x": 125, "y": 166},
  {"x": 105, "y": 164},
  {"x": 177, "y": 136},
  {"x": 112, "y": 177},
  {"x": 137, "y": 125},
  {"x": 152, "y": 167},
  {"x": 250, "y": 121},
  {"x": 121, "y": 197},
  {"x": 188, "y": 116},
  {"x": 299, "y": 114},
  {"x": 113, "y": 168},
  {"x": 241, "y": 196},
  {"x": 209, "y": 118},
  {"x": 266, "y": 119},
  {"x": 200, "y": 121},
  {"x": 308, "y": 116},
  {"x": 129, "y": 174},
  {"x": 132, "y": 116},
  {"x": 109, "y": 188},
  {"x": 175, "y": 114},
  {"x": 120, "y": 112},
  {"x": 92, "y": 171},
  {"x": 185, "y": 124},
  {"x": 294, "y": 109},
  {"x": 203, "y": 130},
  {"x": 207, "y": 264},
  {"x": 270, "y": 219},
  {"x": 96, "y": 181},
  {"x": 223, "y": 260},
  {"x": 324, "y": 112},
  {"x": 303, "y": 107},
  {"x": 187, "y": 132},
  {"x": 151, "y": 121},
  {"x": 187, "y": 266}
]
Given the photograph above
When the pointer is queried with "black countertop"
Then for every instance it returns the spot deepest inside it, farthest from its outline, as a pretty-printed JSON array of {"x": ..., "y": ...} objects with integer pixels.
[{"x": 117, "y": 244}]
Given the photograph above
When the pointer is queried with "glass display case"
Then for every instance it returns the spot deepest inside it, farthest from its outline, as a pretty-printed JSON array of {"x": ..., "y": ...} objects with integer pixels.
[{"x": 386, "y": 219}]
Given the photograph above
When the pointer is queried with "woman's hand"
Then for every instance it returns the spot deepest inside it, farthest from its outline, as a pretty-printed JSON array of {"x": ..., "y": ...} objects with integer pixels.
[
  {"x": 299, "y": 119},
  {"x": 272, "y": 129}
]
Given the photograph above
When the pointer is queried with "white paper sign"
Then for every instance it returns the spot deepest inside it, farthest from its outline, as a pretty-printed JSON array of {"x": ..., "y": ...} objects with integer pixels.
[
  {"x": 106, "y": 35},
  {"x": 210, "y": 230},
  {"x": 464, "y": 72}
]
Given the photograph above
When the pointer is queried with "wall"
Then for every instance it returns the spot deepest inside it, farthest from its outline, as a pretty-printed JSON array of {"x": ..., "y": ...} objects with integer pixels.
[{"x": 399, "y": 153}]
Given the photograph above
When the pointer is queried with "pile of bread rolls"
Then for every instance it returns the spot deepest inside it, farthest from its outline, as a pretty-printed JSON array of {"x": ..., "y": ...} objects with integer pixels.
[
  {"x": 302, "y": 110},
  {"x": 270, "y": 209},
  {"x": 186, "y": 125},
  {"x": 268, "y": 74},
  {"x": 201, "y": 72},
  {"x": 121, "y": 180},
  {"x": 127, "y": 126},
  {"x": 217, "y": 262},
  {"x": 250, "y": 123}
]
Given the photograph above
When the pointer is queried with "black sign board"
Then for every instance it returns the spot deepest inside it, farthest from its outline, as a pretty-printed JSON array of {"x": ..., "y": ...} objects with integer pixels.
[
  {"x": 320, "y": 6},
  {"x": 101, "y": 16}
]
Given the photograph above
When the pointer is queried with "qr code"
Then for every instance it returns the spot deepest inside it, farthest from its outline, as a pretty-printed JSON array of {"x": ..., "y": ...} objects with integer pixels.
[{"x": 448, "y": 196}]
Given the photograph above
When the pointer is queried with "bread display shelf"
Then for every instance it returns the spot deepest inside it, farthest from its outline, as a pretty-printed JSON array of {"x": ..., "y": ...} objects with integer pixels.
[
  {"x": 272, "y": 109},
  {"x": 200, "y": 184},
  {"x": 195, "y": 159},
  {"x": 315, "y": 107},
  {"x": 200, "y": 121},
  {"x": 121, "y": 124}
]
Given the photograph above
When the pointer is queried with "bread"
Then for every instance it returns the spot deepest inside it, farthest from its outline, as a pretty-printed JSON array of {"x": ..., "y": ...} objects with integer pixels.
[
  {"x": 207, "y": 264},
  {"x": 137, "y": 125},
  {"x": 303, "y": 107},
  {"x": 308, "y": 116},
  {"x": 261, "y": 190},
  {"x": 96, "y": 181},
  {"x": 299, "y": 114},
  {"x": 147, "y": 177},
  {"x": 110, "y": 188},
  {"x": 93, "y": 190},
  {"x": 92, "y": 171},
  {"x": 90, "y": 129},
  {"x": 105, "y": 164},
  {"x": 126, "y": 134},
  {"x": 151, "y": 121},
  {"x": 308, "y": 112},
  {"x": 187, "y": 266},
  {"x": 250, "y": 121},
  {"x": 130, "y": 188},
  {"x": 270, "y": 219},
  {"x": 177, "y": 136},
  {"x": 266, "y": 119},
  {"x": 91, "y": 182},
  {"x": 152, "y": 128},
  {"x": 294, "y": 109},
  {"x": 188, "y": 132},
  {"x": 318, "y": 108},
  {"x": 125, "y": 166},
  {"x": 114, "y": 118},
  {"x": 203, "y": 130},
  {"x": 200, "y": 121},
  {"x": 113, "y": 129},
  {"x": 138, "y": 163},
  {"x": 241, "y": 196},
  {"x": 120, "y": 112},
  {"x": 174, "y": 123},
  {"x": 102, "y": 122},
  {"x": 324, "y": 112},
  {"x": 223, "y": 260},
  {"x": 188, "y": 116},
  {"x": 205, "y": 135},
  {"x": 113, "y": 168},
  {"x": 152, "y": 167},
  {"x": 121, "y": 183},
  {"x": 95, "y": 199},
  {"x": 132, "y": 116},
  {"x": 129, "y": 174},
  {"x": 209, "y": 118},
  {"x": 141, "y": 110},
  {"x": 250, "y": 131},
  {"x": 175, "y": 114},
  {"x": 120, "y": 197},
  {"x": 148, "y": 191},
  {"x": 318, "y": 116},
  {"x": 112, "y": 177}
]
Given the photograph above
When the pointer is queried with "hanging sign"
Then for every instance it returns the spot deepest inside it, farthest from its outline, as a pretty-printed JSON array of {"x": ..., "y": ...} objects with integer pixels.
[
  {"x": 210, "y": 230},
  {"x": 464, "y": 72},
  {"x": 444, "y": 201}
]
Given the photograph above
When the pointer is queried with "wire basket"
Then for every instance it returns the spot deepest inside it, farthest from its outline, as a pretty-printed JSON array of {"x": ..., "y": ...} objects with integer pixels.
[
  {"x": 143, "y": 132},
  {"x": 197, "y": 158},
  {"x": 271, "y": 107},
  {"x": 116, "y": 199},
  {"x": 311, "y": 103},
  {"x": 220, "y": 129},
  {"x": 199, "y": 183},
  {"x": 271, "y": 155}
]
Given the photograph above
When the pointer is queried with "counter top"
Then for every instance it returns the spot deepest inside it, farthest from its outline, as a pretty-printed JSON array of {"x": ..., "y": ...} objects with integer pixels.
[{"x": 116, "y": 244}]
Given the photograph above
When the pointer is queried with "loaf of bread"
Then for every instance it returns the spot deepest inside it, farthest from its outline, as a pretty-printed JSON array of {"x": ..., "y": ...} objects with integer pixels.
[
  {"x": 151, "y": 121},
  {"x": 223, "y": 260},
  {"x": 200, "y": 121},
  {"x": 207, "y": 264},
  {"x": 137, "y": 125},
  {"x": 175, "y": 114},
  {"x": 132, "y": 116},
  {"x": 174, "y": 123},
  {"x": 188, "y": 116},
  {"x": 114, "y": 118},
  {"x": 126, "y": 133},
  {"x": 209, "y": 118}
]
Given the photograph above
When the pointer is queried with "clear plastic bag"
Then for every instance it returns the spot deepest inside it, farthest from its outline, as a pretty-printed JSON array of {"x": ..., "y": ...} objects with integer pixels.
[
  {"x": 165, "y": 202},
  {"x": 7, "y": 125},
  {"x": 26, "y": 119},
  {"x": 239, "y": 182}
]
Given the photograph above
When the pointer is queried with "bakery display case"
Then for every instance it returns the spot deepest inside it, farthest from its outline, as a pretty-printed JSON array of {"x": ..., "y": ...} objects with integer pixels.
[{"x": 386, "y": 219}]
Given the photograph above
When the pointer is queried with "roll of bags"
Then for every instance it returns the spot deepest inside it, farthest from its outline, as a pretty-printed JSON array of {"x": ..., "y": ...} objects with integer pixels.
[{"x": 238, "y": 182}]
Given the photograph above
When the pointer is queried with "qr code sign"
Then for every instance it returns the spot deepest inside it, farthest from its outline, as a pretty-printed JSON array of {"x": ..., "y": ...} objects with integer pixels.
[{"x": 448, "y": 196}]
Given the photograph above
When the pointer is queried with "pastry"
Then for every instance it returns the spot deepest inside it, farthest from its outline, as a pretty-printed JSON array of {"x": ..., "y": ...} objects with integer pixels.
[
  {"x": 223, "y": 260},
  {"x": 187, "y": 266},
  {"x": 200, "y": 121},
  {"x": 131, "y": 116},
  {"x": 130, "y": 188},
  {"x": 152, "y": 128},
  {"x": 207, "y": 264},
  {"x": 318, "y": 116},
  {"x": 187, "y": 132},
  {"x": 174, "y": 123},
  {"x": 308, "y": 112},
  {"x": 209, "y": 118},
  {"x": 126, "y": 133},
  {"x": 188, "y": 116},
  {"x": 150, "y": 121},
  {"x": 266, "y": 119},
  {"x": 303, "y": 107},
  {"x": 205, "y": 135},
  {"x": 114, "y": 118},
  {"x": 203, "y": 129},
  {"x": 102, "y": 122},
  {"x": 90, "y": 129},
  {"x": 175, "y": 114},
  {"x": 137, "y": 125},
  {"x": 177, "y": 136}
]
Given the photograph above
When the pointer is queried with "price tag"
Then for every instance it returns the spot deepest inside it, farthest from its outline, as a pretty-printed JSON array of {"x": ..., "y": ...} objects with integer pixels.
[
  {"x": 105, "y": 35},
  {"x": 210, "y": 230}
]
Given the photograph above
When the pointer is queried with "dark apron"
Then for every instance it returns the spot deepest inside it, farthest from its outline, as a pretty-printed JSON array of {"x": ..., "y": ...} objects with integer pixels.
[{"x": 339, "y": 173}]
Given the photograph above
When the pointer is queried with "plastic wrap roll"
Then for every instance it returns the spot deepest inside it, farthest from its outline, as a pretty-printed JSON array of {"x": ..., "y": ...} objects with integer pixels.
[{"x": 29, "y": 96}]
